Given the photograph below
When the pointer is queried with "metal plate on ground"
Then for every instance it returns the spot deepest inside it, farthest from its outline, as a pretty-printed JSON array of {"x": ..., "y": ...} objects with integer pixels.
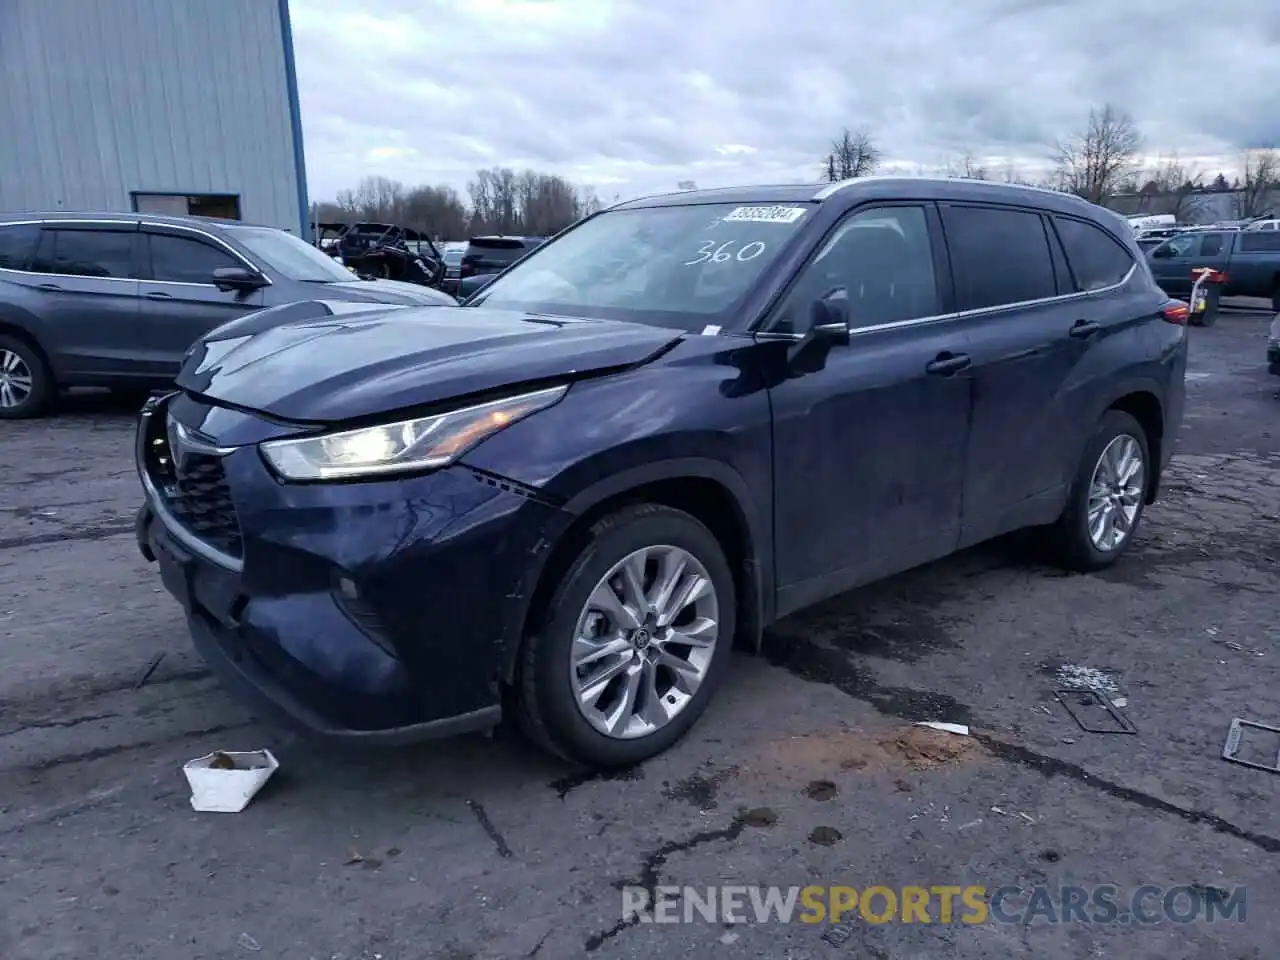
[
  {"x": 1089, "y": 707},
  {"x": 1231, "y": 749}
]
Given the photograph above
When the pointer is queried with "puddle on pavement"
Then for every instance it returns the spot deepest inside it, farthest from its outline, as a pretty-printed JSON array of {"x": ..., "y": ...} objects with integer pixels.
[
  {"x": 833, "y": 666},
  {"x": 907, "y": 636},
  {"x": 701, "y": 789},
  {"x": 564, "y": 785},
  {"x": 821, "y": 790},
  {"x": 759, "y": 817},
  {"x": 825, "y": 836}
]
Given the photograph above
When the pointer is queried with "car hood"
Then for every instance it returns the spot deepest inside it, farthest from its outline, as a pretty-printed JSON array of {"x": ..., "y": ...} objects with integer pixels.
[
  {"x": 385, "y": 291},
  {"x": 357, "y": 363}
]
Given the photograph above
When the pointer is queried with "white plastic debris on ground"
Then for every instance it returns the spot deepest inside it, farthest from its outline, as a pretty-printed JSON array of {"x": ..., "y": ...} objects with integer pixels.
[
  {"x": 225, "y": 781},
  {"x": 958, "y": 728}
]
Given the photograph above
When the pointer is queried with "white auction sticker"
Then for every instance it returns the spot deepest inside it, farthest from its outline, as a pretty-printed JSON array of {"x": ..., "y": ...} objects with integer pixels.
[{"x": 767, "y": 214}]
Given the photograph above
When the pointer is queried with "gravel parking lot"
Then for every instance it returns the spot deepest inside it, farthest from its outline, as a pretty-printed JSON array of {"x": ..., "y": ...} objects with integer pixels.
[{"x": 482, "y": 848}]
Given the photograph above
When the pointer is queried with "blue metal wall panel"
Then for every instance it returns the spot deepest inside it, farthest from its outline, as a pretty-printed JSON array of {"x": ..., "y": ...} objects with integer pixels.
[{"x": 103, "y": 98}]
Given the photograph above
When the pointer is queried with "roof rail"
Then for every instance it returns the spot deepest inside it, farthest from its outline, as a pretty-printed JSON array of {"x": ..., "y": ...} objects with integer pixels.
[{"x": 831, "y": 189}]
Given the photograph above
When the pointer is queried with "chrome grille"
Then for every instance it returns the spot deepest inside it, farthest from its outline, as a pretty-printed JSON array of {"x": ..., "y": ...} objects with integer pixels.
[{"x": 193, "y": 488}]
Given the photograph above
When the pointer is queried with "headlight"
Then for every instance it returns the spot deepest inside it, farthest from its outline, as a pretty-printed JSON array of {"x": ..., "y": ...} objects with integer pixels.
[{"x": 420, "y": 444}]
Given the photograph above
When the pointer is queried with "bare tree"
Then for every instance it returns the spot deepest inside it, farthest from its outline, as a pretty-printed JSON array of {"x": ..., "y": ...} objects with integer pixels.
[
  {"x": 967, "y": 167},
  {"x": 436, "y": 211},
  {"x": 1260, "y": 178},
  {"x": 853, "y": 154},
  {"x": 588, "y": 202},
  {"x": 501, "y": 201},
  {"x": 380, "y": 198},
  {"x": 1010, "y": 173},
  {"x": 1095, "y": 162},
  {"x": 1172, "y": 187}
]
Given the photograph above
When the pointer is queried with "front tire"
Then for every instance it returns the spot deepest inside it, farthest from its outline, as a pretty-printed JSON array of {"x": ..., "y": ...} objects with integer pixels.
[
  {"x": 635, "y": 642},
  {"x": 1107, "y": 497},
  {"x": 26, "y": 383}
]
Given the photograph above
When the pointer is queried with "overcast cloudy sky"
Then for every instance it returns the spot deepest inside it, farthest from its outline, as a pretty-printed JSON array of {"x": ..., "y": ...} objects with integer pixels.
[{"x": 632, "y": 96}]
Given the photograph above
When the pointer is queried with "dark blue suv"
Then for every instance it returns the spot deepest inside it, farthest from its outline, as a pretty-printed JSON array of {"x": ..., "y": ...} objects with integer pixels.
[{"x": 679, "y": 420}]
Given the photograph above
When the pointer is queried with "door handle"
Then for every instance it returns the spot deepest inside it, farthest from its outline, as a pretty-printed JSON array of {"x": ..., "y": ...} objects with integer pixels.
[
  {"x": 946, "y": 364},
  {"x": 49, "y": 287},
  {"x": 1084, "y": 329},
  {"x": 158, "y": 295}
]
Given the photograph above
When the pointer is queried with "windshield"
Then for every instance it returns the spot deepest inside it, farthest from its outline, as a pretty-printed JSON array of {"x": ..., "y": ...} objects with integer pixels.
[
  {"x": 677, "y": 266},
  {"x": 292, "y": 258}
]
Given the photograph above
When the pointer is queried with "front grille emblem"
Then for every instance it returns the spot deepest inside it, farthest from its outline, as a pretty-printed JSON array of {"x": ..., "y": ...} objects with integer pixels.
[{"x": 183, "y": 442}]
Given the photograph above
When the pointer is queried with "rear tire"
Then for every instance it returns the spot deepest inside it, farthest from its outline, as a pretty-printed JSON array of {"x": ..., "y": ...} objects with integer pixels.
[
  {"x": 1104, "y": 506},
  {"x": 552, "y": 683},
  {"x": 26, "y": 383}
]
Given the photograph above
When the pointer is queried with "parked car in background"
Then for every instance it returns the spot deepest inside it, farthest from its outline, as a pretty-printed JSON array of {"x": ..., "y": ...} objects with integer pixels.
[
  {"x": 1249, "y": 258},
  {"x": 683, "y": 418},
  {"x": 453, "y": 253},
  {"x": 115, "y": 300},
  {"x": 488, "y": 255},
  {"x": 469, "y": 286}
]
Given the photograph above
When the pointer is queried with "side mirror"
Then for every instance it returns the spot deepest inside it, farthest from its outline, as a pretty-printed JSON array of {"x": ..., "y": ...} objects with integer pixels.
[
  {"x": 829, "y": 316},
  {"x": 1162, "y": 253},
  {"x": 829, "y": 326},
  {"x": 238, "y": 278}
]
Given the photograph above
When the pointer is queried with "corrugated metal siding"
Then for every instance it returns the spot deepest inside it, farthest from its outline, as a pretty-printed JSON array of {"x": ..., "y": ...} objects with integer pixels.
[{"x": 101, "y": 98}]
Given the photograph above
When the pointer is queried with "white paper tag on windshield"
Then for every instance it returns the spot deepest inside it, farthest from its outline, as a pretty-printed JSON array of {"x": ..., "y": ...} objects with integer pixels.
[{"x": 767, "y": 214}]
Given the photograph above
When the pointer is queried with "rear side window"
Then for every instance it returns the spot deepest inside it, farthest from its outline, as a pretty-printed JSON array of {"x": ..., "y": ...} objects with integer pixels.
[
  {"x": 86, "y": 253},
  {"x": 186, "y": 260},
  {"x": 17, "y": 242},
  {"x": 1260, "y": 241},
  {"x": 999, "y": 256},
  {"x": 1097, "y": 259},
  {"x": 1211, "y": 245}
]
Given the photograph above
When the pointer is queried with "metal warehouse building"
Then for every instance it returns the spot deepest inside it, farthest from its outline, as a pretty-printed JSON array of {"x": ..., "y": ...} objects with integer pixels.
[{"x": 157, "y": 106}]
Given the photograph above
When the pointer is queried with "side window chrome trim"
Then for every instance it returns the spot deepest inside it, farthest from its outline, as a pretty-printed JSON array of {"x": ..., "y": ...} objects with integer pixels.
[
  {"x": 142, "y": 227},
  {"x": 54, "y": 225},
  {"x": 968, "y": 314}
]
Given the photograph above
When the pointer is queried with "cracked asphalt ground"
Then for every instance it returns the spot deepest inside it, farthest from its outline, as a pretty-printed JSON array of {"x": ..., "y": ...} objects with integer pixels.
[{"x": 482, "y": 848}]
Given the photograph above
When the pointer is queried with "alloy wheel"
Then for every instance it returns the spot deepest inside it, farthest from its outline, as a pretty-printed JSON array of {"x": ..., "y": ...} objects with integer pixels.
[
  {"x": 16, "y": 381},
  {"x": 644, "y": 642},
  {"x": 1115, "y": 493}
]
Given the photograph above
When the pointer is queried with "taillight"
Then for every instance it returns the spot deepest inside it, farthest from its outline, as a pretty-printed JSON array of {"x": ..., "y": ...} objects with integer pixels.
[
  {"x": 1176, "y": 312},
  {"x": 1210, "y": 276}
]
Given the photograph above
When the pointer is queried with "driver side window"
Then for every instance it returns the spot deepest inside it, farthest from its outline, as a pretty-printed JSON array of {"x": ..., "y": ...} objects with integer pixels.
[
  {"x": 1182, "y": 246},
  {"x": 883, "y": 260}
]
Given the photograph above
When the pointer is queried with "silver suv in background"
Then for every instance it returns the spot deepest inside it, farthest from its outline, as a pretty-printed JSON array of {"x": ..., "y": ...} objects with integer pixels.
[{"x": 115, "y": 300}]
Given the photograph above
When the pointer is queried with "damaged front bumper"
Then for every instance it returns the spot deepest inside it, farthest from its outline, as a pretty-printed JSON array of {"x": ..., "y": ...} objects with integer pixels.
[{"x": 380, "y": 612}]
